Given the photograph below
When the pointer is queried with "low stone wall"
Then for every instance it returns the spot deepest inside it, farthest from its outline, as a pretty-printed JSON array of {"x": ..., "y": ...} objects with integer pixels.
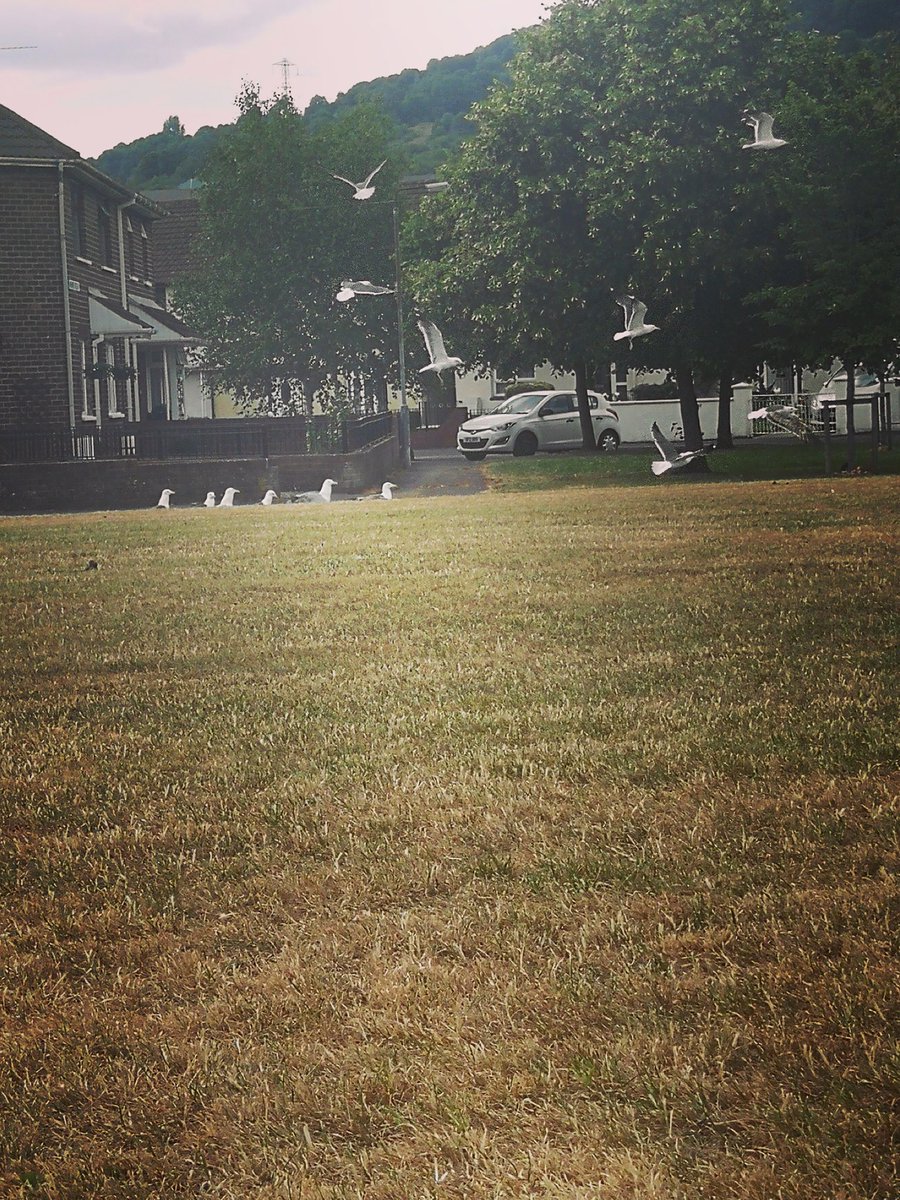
[{"x": 128, "y": 483}]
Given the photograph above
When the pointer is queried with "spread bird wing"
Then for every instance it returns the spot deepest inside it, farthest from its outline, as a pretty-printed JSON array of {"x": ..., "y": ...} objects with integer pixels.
[
  {"x": 637, "y": 315},
  {"x": 763, "y": 126},
  {"x": 434, "y": 343},
  {"x": 343, "y": 179},
  {"x": 627, "y": 302},
  {"x": 368, "y": 179},
  {"x": 663, "y": 445}
]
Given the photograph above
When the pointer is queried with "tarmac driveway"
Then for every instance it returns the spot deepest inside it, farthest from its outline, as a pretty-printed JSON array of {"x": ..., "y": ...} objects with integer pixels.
[{"x": 440, "y": 473}]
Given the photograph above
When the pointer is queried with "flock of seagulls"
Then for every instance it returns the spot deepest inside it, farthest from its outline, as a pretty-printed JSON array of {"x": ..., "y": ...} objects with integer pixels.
[
  {"x": 763, "y": 139},
  {"x": 322, "y": 496},
  {"x": 634, "y": 310},
  {"x": 439, "y": 359}
]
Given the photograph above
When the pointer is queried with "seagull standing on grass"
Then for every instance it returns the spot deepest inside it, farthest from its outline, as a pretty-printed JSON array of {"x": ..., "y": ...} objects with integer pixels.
[
  {"x": 210, "y": 501},
  {"x": 228, "y": 496},
  {"x": 386, "y": 493},
  {"x": 269, "y": 498},
  {"x": 635, "y": 312},
  {"x": 434, "y": 344},
  {"x": 362, "y": 191},
  {"x": 163, "y": 501},
  {"x": 322, "y": 496},
  {"x": 671, "y": 459},
  {"x": 763, "y": 137},
  {"x": 351, "y": 288}
]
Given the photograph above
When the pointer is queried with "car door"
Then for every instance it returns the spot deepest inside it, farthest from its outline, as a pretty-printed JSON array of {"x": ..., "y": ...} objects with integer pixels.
[{"x": 560, "y": 427}]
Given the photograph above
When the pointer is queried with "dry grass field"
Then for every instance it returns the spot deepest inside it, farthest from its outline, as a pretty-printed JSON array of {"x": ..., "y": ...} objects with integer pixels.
[{"x": 518, "y": 845}]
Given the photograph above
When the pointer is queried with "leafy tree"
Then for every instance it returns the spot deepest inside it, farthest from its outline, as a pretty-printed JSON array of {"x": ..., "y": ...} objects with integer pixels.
[
  {"x": 596, "y": 172},
  {"x": 840, "y": 221},
  {"x": 278, "y": 236}
]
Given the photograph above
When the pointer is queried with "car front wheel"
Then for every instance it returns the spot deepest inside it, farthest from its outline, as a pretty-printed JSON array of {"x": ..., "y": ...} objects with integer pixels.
[
  {"x": 608, "y": 441},
  {"x": 525, "y": 444}
]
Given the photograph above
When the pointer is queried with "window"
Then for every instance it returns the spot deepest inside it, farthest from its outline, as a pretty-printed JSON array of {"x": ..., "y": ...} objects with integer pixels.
[
  {"x": 130, "y": 249},
  {"x": 104, "y": 230},
  {"x": 79, "y": 229},
  {"x": 559, "y": 404},
  {"x": 145, "y": 252}
]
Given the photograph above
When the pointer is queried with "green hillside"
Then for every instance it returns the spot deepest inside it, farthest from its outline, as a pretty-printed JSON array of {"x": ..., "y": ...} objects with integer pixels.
[{"x": 429, "y": 107}]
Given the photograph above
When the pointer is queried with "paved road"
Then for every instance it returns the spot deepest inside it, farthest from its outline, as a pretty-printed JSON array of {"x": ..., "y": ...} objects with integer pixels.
[{"x": 440, "y": 473}]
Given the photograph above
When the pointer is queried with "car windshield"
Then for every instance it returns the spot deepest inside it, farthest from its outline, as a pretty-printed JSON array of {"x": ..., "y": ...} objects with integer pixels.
[{"x": 521, "y": 404}]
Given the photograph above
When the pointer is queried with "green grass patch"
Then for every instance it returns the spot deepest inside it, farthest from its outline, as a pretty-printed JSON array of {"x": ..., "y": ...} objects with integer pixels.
[
  {"x": 758, "y": 460},
  {"x": 498, "y": 846}
]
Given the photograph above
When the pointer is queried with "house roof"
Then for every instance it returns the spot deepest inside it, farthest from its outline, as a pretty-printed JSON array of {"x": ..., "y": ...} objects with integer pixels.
[
  {"x": 20, "y": 141},
  {"x": 174, "y": 235}
]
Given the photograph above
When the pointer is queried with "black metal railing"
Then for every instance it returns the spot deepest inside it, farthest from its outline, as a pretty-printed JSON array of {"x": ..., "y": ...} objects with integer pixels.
[{"x": 249, "y": 437}]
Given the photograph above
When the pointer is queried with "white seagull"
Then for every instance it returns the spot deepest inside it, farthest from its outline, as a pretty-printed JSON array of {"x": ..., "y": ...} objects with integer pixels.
[
  {"x": 210, "y": 501},
  {"x": 269, "y": 498},
  {"x": 786, "y": 417},
  {"x": 763, "y": 137},
  {"x": 228, "y": 496},
  {"x": 362, "y": 191},
  {"x": 351, "y": 288},
  {"x": 322, "y": 496},
  {"x": 671, "y": 459},
  {"x": 163, "y": 501},
  {"x": 386, "y": 493},
  {"x": 434, "y": 344},
  {"x": 634, "y": 319}
]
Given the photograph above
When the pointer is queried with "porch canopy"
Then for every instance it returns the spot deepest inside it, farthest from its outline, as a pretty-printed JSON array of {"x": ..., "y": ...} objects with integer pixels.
[
  {"x": 166, "y": 328},
  {"x": 110, "y": 320}
]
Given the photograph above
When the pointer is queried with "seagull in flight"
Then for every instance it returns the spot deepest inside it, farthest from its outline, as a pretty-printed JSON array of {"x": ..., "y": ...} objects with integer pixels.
[
  {"x": 434, "y": 344},
  {"x": 363, "y": 190},
  {"x": 763, "y": 137},
  {"x": 671, "y": 459},
  {"x": 351, "y": 288},
  {"x": 163, "y": 501},
  {"x": 635, "y": 326},
  {"x": 786, "y": 417}
]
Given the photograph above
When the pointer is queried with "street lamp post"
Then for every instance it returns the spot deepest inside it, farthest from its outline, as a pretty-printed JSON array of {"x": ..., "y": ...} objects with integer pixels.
[
  {"x": 405, "y": 445},
  {"x": 350, "y": 289}
]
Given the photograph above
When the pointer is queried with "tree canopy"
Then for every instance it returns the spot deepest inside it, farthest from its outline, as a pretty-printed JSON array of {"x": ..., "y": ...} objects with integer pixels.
[{"x": 279, "y": 234}]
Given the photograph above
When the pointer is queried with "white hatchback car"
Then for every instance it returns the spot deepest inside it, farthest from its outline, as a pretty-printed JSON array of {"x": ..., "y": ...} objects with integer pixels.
[{"x": 534, "y": 421}]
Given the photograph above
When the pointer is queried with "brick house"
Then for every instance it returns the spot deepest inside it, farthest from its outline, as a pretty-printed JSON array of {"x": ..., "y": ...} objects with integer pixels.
[{"x": 86, "y": 341}]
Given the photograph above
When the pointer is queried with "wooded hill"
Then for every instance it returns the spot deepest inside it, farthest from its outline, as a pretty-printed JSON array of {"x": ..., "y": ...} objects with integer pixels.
[{"x": 429, "y": 107}]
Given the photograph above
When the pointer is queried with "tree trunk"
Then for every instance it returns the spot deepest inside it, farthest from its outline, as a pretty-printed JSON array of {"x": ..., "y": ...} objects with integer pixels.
[
  {"x": 850, "y": 368},
  {"x": 584, "y": 410},
  {"x": 724, "y": 439},
  {"x": 690, "y": 412}
]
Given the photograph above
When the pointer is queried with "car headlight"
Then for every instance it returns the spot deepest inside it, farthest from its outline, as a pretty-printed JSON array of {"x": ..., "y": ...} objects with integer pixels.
[{"x": 503, "y": 428}]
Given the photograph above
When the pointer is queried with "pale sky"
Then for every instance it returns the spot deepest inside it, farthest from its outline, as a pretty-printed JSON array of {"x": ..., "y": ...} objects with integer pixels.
[{"x": 106, "y": 71}]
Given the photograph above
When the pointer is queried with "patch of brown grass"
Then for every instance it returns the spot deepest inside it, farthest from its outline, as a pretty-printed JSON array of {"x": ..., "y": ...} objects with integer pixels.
[{"x": 513, "y": 846}]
